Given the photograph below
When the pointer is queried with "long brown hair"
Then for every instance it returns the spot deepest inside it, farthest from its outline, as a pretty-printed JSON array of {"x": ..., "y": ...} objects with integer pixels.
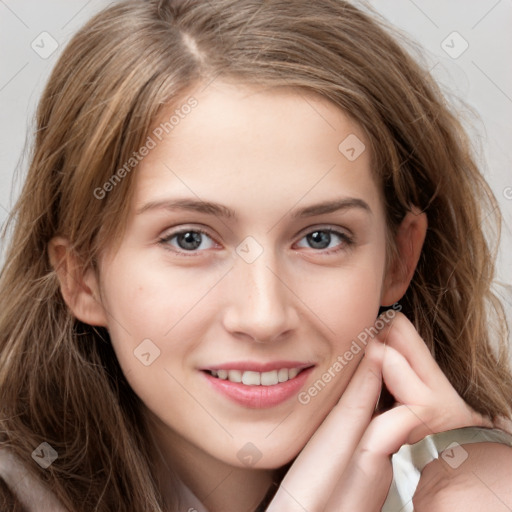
[{"x": 106, "y": 92}]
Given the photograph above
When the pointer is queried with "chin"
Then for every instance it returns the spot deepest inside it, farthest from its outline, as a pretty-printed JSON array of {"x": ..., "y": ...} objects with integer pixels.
[{"x": 266, "y": 458}]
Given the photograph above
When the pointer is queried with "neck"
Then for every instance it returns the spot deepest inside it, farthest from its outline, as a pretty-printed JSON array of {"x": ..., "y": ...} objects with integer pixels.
[{"x": 216, "y": 484}]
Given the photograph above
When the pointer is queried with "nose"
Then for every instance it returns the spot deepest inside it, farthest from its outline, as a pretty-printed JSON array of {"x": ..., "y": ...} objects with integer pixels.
[{"x": 261, "y": 305}]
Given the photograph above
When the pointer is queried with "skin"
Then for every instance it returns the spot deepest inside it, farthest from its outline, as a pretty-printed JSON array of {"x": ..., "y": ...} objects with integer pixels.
[
  {"x": 266, "y": 154},
  {"x": 479, "y": 481}
]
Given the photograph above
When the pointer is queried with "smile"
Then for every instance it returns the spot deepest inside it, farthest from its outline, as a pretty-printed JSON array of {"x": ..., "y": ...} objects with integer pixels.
[
  {"x": 258, "y": 386},
  {"x": 250, "y": 378}
]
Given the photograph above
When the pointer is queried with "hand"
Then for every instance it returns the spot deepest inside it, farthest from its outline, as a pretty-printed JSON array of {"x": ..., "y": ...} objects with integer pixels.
[{"x": 346, "y": 464}]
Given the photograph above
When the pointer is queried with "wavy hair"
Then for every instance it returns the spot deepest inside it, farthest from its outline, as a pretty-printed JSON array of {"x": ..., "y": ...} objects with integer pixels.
[{"x": 107, "y": 90}]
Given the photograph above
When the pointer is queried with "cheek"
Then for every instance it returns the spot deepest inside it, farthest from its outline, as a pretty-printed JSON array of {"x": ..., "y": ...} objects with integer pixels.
[
  {"x": 147, "y": 320},
  {"x": 149, "y": 301},
  {"x": 346, "y": 306},
  {"x": 346, "y": 299},
  {"x": 148, "y": 298}
]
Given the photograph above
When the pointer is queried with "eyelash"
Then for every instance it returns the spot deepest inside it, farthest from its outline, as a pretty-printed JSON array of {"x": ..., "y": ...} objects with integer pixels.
[{"x": 347, "y": 241}]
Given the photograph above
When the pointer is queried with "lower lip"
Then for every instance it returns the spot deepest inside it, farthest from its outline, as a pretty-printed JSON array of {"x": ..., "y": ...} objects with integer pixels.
[{"x": 259, "y": 397}]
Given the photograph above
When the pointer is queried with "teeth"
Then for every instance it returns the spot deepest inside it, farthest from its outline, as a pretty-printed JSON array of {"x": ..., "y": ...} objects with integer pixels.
[
  {"x": 292, "y": 372},
  {"x": 235, "y": 375},
  {"x": 282, "y": 375},
  {"x": 250, "y": 378},
  {"x": 269, "y": 378}
]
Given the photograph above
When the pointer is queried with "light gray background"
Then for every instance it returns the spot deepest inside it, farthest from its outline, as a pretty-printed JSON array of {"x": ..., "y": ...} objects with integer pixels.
[{"x": 481, "y": 76}]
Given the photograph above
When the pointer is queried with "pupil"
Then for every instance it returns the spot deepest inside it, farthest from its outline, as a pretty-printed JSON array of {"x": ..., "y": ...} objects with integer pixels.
[
  {"x": 319, "y": 239},
  {"x": 191, "y": 240}
]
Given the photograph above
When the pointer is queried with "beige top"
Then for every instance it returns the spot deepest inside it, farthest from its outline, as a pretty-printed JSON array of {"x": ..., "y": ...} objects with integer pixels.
[
  {"x": 407, "y": 464},
  {"x": 36, "y": 498},
  {"x": 31, "y": 493}
]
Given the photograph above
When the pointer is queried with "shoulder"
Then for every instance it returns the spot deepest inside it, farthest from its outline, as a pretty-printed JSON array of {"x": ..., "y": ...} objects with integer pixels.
[{"x": 477, "y": 477}]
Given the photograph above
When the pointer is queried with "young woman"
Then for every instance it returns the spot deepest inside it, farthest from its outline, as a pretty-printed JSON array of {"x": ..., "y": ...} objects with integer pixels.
[{"x": 222, "y": 198}]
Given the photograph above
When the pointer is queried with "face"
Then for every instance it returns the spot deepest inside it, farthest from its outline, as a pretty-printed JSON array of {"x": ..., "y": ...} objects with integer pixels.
[{"x": 254, "y": 250}]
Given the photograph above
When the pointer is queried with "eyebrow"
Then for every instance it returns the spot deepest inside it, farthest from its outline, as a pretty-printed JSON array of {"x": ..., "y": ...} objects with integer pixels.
[{"x": 219, "y": 210}]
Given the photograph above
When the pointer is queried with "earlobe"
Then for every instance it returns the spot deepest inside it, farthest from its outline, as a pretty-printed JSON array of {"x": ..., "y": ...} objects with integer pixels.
[
  {"x": 409, "y": 242},
  {"x": 79, "y": 286}
]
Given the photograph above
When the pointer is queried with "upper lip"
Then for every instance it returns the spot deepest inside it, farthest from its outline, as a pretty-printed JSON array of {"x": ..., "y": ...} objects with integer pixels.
[{"x": 252, "y": 366}]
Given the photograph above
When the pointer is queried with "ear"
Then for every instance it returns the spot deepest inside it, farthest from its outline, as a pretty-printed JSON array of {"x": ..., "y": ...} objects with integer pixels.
[
  {"x": 79, "y": 286},
  {"x": 409, "y": 242}
]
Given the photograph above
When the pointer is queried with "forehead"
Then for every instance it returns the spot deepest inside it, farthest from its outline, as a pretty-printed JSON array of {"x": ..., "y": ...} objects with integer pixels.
[{"x": 241, "y": 141}]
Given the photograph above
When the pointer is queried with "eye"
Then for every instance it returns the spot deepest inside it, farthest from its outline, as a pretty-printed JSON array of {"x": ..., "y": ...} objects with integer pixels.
[
  {"x": 188, "y": 240},
  {"x": 327, "y": 238}
]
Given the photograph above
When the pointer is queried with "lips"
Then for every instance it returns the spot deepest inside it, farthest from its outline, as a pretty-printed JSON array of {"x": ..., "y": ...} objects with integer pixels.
[{"x": 257, "y": 385}]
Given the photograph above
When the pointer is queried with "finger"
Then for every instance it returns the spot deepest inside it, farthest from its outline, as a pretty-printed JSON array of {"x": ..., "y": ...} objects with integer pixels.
[
  {"x": 367, "y": 477},
  {"x": 390, "y": 430},
  {"x": 401, "y": 380},
  {"x": 364, "y": 485},
  {"x": 409, "y": 424},
  {"x": 403, "y": 337},
  {"x": 412, "y": 417},
  {"x": 314, "y": 474}
]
